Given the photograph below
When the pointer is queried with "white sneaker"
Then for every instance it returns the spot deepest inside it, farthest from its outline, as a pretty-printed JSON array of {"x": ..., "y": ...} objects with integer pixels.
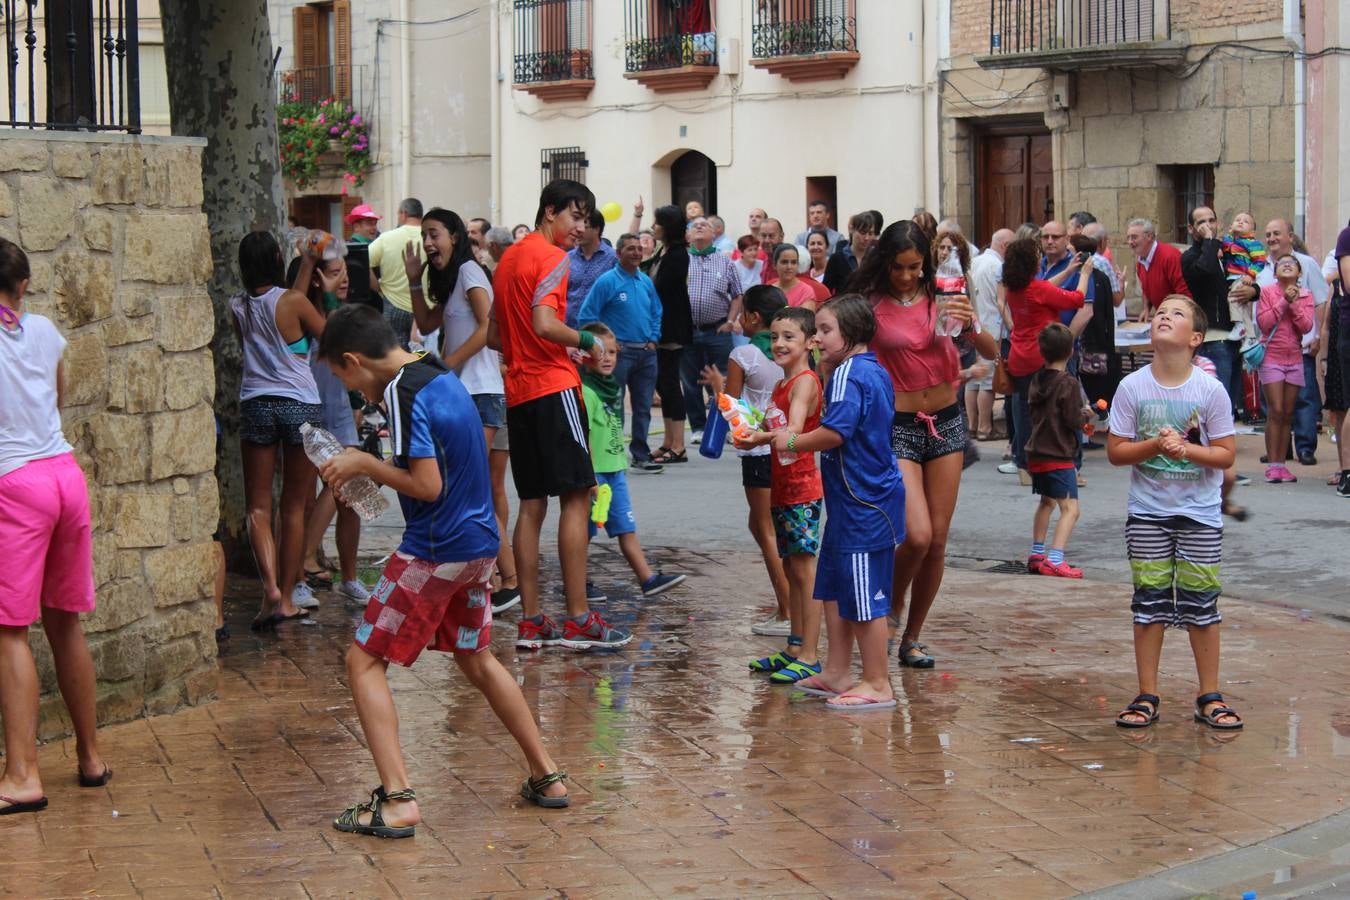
[
  {"x": 1008, "y": 468},
  {"x": 303, "y": 597},
  {"x": 772, "y": 626},
  {"x": 354, "y": 591}
]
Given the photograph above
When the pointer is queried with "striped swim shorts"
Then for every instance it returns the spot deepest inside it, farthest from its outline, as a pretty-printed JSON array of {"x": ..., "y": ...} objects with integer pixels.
[{"x": 1174, "y": 564}]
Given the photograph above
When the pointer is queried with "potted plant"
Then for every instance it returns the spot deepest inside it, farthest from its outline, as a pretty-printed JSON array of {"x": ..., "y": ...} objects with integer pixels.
[
  {"x": 581, "y": 63},
  {"x": 327, "y": 133}
]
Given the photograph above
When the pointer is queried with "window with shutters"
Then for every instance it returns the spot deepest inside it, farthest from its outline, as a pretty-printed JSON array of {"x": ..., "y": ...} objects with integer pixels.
[
  {"x": 562, "y": 162},
  {"x": 323, "y": 52}
]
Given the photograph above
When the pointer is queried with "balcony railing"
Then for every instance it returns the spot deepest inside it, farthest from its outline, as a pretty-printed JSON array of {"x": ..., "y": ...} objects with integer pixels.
[
  {"x": 553, "y": 57},
  {"x": 1079, "y": 33},
  {"x": 315, "y": 84},
  {"x": 72, "y": 65},
  {"x": 669, "y": 46},
  {"x": 805, "y": 39}
]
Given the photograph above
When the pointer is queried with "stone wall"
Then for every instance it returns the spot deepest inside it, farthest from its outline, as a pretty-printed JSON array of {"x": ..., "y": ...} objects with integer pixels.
[{"x": 117, "y": 240}]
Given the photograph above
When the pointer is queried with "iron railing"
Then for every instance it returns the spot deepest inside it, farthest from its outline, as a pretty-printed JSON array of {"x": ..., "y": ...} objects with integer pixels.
[
  {"x": 1043, "y": 26},
  {"x": 562, "y": 162},
  {"x": 660, "y": 34},
  {"x": 553, "y": 40},
  {"x": 801, "y": 27},
  {"x": 315, "y": 84},
  {"x": 72, "y": 65}
]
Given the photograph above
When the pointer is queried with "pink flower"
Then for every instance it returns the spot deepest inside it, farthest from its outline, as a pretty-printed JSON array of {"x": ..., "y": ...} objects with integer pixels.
[
  {"x": 356, "y": 120},
  {"x": 346, "y": 134},
  {"x": 320, "y": 118},
  {"x": 333, "y": 130}
]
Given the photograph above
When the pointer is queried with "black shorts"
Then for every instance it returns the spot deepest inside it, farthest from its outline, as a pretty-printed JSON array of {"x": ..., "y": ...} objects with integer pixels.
[
  {"x": 271, "y": 420},
  {"x": 920, "y": 437},
  {"x": 550, "y": 455},
  {"x": 755, "y": 471}
]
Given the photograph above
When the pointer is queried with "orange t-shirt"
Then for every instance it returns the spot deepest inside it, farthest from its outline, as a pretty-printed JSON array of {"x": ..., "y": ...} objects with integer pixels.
[{"x": 532, "y": 272}]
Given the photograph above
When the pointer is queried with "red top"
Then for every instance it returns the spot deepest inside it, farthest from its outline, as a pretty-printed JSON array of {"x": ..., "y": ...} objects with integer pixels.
[
  {"x": 798, "y": 481},
  {"x": 532, "y": 272},
  {"x": 1163, "y": 276},
  {"x": 1033, "y": 308},
  {"x": 821, "y": 292},
  {"x": 908, "y": 347}
]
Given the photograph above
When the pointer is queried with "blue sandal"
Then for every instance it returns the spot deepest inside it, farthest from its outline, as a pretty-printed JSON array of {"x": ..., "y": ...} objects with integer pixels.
[
  {"x": 772, "y": 663},
  {"x": 794, "y": 672}
]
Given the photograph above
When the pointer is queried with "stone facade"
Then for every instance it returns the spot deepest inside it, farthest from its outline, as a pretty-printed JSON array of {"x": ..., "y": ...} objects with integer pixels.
[
  {"x": 115, "y": 233},
  {"x": 1117, "y": 145}
]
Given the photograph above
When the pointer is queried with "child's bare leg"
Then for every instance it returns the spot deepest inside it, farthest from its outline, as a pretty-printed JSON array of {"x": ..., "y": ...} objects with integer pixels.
[
  {"x": 1205, "y": 647},
  {"x": 985, "y": 422},
  {"x": 1148, "y": 642},
  {"x": 835, "y": 674},
  {"x": 761, "y": 528},
  {"x": 318, "y": 516},
  {"x": 504, "y": 696},
  {"x": 506, "y": 560},
  {"x": 1040, "y": 523},
  {"x": 19, "y": 712},
  {"x": 348, "y": 536},
  {"x": 1068, "y": 517},
  {"x": 637, "y": 561},
  {"x": 574, "y": 514},
  {"x": 801, "y": 572},
  {"x": 876, "y": 680},
  {"x": 379, "y": 722},
  {"x": 75, "y": 678},
  {"x": 529, "y": 521}
]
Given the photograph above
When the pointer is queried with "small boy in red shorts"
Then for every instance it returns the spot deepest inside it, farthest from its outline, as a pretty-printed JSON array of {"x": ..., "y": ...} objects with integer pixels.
[{"x": 434, "y": 591}]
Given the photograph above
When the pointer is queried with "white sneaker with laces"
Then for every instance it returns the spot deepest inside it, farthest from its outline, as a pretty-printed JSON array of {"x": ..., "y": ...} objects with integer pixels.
[
  {"x": 354, "y": 591},
  {"x": 303, "y": 597},
  {"x": 1008, "y": 468},
  {"x": 773, "y": 627}
]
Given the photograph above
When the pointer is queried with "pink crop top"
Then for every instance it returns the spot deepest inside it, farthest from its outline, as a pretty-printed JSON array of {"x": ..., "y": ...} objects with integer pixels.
[{"x": 908, "y": 347}]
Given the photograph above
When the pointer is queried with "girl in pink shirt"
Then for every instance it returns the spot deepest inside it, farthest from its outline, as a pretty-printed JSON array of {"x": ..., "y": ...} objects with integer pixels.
[
  {"x": 928, "y": 434},
  {"x": 1284, "y": 314}
]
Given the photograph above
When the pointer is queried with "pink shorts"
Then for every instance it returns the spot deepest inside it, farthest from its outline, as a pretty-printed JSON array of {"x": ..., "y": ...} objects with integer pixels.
[
  {"x": 1291, "y": 373},
  {"x": 418, "y": 605},
  {"x": 44, "y": 530}
]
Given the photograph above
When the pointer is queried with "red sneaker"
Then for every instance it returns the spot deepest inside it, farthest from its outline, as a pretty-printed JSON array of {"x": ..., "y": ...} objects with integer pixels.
[
  {"x": 537, "y": 635},
  {"x": 1060, "y": 570},
  {"x": 595, "y": 633},
  {"x": 1034, "y": 563}
]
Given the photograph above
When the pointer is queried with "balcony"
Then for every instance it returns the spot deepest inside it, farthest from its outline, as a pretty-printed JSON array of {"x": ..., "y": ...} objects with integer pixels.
[
  {"x": 312, "y": 85},
  {"x": 553, "y": 58},
  {"x": 670, "y": 45},
  {"x": 1070, "y": 35},
  {"x": 323, "y": 129},
  {"x": 805, "y": 40}
]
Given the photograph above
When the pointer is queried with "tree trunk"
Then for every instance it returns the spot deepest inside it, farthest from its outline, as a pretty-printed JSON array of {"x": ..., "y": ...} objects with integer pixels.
[{"x": 219, "y": 60}]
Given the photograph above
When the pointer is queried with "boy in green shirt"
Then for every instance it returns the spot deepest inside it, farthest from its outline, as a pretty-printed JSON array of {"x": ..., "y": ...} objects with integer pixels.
[{"x": 600, "y": 391}]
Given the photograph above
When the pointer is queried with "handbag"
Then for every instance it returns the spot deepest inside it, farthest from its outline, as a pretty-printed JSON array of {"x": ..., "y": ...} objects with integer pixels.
[
  {"x": 1003, "y": 382},
  {"x": 1255, "y": 354}
]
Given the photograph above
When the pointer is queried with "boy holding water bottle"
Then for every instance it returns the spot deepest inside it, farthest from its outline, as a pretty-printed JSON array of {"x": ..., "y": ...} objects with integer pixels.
[{"x": 434, "y": 590}]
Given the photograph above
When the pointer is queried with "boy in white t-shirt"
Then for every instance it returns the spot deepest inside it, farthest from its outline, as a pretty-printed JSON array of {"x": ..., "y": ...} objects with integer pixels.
[
  {"x": 1174, "y": 426},
  {"x": 44, "y": 528}
]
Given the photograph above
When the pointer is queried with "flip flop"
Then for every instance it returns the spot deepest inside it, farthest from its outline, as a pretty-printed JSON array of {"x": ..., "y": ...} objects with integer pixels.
[
  {"x": 871, "y": 704},
  {"x": 320, "y": 579},
  {"x": 813, "y": 686},
  {"x": 276, "y": 619},
  {"x": 21, "y": 806},
  {"x": 95, "y": 781}
]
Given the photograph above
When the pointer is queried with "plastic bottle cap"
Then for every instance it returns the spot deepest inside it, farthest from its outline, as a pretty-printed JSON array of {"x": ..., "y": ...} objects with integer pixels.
[{"x": 1249, "y": 895}]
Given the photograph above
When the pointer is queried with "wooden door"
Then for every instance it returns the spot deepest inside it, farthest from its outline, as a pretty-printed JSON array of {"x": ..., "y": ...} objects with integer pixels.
[
  {"x": 694, "y": 177},
  {"x": 1014, "y": 182}
]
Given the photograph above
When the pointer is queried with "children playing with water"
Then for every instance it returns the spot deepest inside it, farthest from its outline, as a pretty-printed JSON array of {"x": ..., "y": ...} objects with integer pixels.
[
  {"x": 1174, "y": 426},
  {"x": 795, "y": 494}
]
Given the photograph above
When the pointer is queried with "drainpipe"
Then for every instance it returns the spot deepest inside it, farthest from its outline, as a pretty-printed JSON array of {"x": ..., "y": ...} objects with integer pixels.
[
  {"x": 405, "y": 102},
  {"x": 495, "y": 50},
  {"x": 930, "y": 134},
  {"x": 1293, "y": 35}
]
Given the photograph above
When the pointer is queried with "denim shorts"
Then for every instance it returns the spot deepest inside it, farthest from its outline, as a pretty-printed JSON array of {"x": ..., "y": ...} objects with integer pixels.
[
  {"x": 491, "y": 409},
  {"x": 919, "y": 437},
  {"x": 1057, "y": 484},
  {"x": 621, "y": 519},
  {"x": 269, "y": 420}
]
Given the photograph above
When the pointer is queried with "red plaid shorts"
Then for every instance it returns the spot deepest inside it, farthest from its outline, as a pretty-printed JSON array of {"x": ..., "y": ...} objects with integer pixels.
[{"x": 418, "y": 604}]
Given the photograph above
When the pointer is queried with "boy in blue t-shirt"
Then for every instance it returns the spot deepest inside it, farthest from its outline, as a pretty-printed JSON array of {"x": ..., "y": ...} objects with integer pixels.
[
  {"x": 434, "y": 591},
  {"x": 864, "y": 505}
]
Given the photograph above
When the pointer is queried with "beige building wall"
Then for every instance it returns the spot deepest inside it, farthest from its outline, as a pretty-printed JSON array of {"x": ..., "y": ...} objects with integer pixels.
[
  {"x": 765, "y": 134},
  {"x": 1116, "y": 140},
  {"x": 427, "y": 94}
]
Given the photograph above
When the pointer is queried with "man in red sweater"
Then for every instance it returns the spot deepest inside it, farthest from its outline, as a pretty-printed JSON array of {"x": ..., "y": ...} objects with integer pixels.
[{"x": 1157, "y": 265}]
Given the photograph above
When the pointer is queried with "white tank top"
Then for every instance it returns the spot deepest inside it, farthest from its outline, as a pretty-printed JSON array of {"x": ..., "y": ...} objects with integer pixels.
[{"x": 271, "y": 369}]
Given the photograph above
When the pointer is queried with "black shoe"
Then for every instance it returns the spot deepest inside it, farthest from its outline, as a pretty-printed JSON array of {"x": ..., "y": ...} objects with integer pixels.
[
  {"x": 1343, "y": 489},
  {"x": 1307, "y": 459}
]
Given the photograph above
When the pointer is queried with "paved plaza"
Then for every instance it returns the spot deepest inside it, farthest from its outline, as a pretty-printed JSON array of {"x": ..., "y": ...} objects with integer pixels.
[{"x": 999, "y": 775}]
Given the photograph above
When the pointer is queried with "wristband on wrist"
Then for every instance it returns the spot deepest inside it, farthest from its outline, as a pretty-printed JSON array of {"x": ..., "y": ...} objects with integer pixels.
[
  {"x": 585, "y": 340},
  {"x": 792, "y": 441},
  {"x": 415, "y": 287}
]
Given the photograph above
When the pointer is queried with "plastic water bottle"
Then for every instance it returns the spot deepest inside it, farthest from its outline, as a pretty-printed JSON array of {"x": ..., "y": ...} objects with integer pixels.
[
  {"x": 949, "y": 281},
  {"x": 325, "y": 246},
  {"x": 774, "y": 420},
  {"x": 361, "y": 494}
]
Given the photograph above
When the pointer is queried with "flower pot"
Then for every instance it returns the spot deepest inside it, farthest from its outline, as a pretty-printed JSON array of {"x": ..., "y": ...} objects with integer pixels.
[{"x": 581, "y": 63}]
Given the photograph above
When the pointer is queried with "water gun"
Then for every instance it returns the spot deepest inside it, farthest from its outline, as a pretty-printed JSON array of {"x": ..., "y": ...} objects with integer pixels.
[
  {"x": 742, "y": 418},
  {"x": 604, "y": 494},
  {"x": 1103, "y": 411}
]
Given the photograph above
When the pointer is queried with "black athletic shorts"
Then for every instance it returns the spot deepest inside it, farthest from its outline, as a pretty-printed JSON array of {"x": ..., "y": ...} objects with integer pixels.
[
  {"x": 755, "y": 471},
  {"x": 550, "y": 455}
]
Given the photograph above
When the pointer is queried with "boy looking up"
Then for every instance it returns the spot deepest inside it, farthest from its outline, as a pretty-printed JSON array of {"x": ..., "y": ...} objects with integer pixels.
[
  {"x": 545, "y": 415},
  {"x": 434, "y": 590}
]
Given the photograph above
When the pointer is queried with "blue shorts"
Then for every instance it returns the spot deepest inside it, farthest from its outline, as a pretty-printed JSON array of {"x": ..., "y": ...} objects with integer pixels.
[
  {"x": 796, "y": 528},
  {"x": 1057, "y": 484},
  {"x": 621, "y": 519},
  {"x": 491, "y": 409},
  {"x": 859, "y": 582}
]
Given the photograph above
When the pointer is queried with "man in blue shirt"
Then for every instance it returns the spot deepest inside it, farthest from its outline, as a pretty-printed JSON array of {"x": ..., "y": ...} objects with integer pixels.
[
  {"x": 1055, "y": 268},
  {"x": 586, "y": 262},
  {"x": 624, "y": 298},
  {"x": 434, "y": 590}
]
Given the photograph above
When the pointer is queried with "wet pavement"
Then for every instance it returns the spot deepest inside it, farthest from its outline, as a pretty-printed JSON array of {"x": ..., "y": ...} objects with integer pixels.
[{"x": 999, "y": 775}]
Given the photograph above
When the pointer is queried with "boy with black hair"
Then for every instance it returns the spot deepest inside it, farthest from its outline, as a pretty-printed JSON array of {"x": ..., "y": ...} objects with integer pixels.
[
  {"x": 1058, "y": 414},
  {"x": 545, "y": 416},
  {"x": 434, "y": 590}
]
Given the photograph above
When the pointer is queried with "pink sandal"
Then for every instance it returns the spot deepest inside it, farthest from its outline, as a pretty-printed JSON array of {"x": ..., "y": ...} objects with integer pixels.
[{"x": 870, "y": 704}]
